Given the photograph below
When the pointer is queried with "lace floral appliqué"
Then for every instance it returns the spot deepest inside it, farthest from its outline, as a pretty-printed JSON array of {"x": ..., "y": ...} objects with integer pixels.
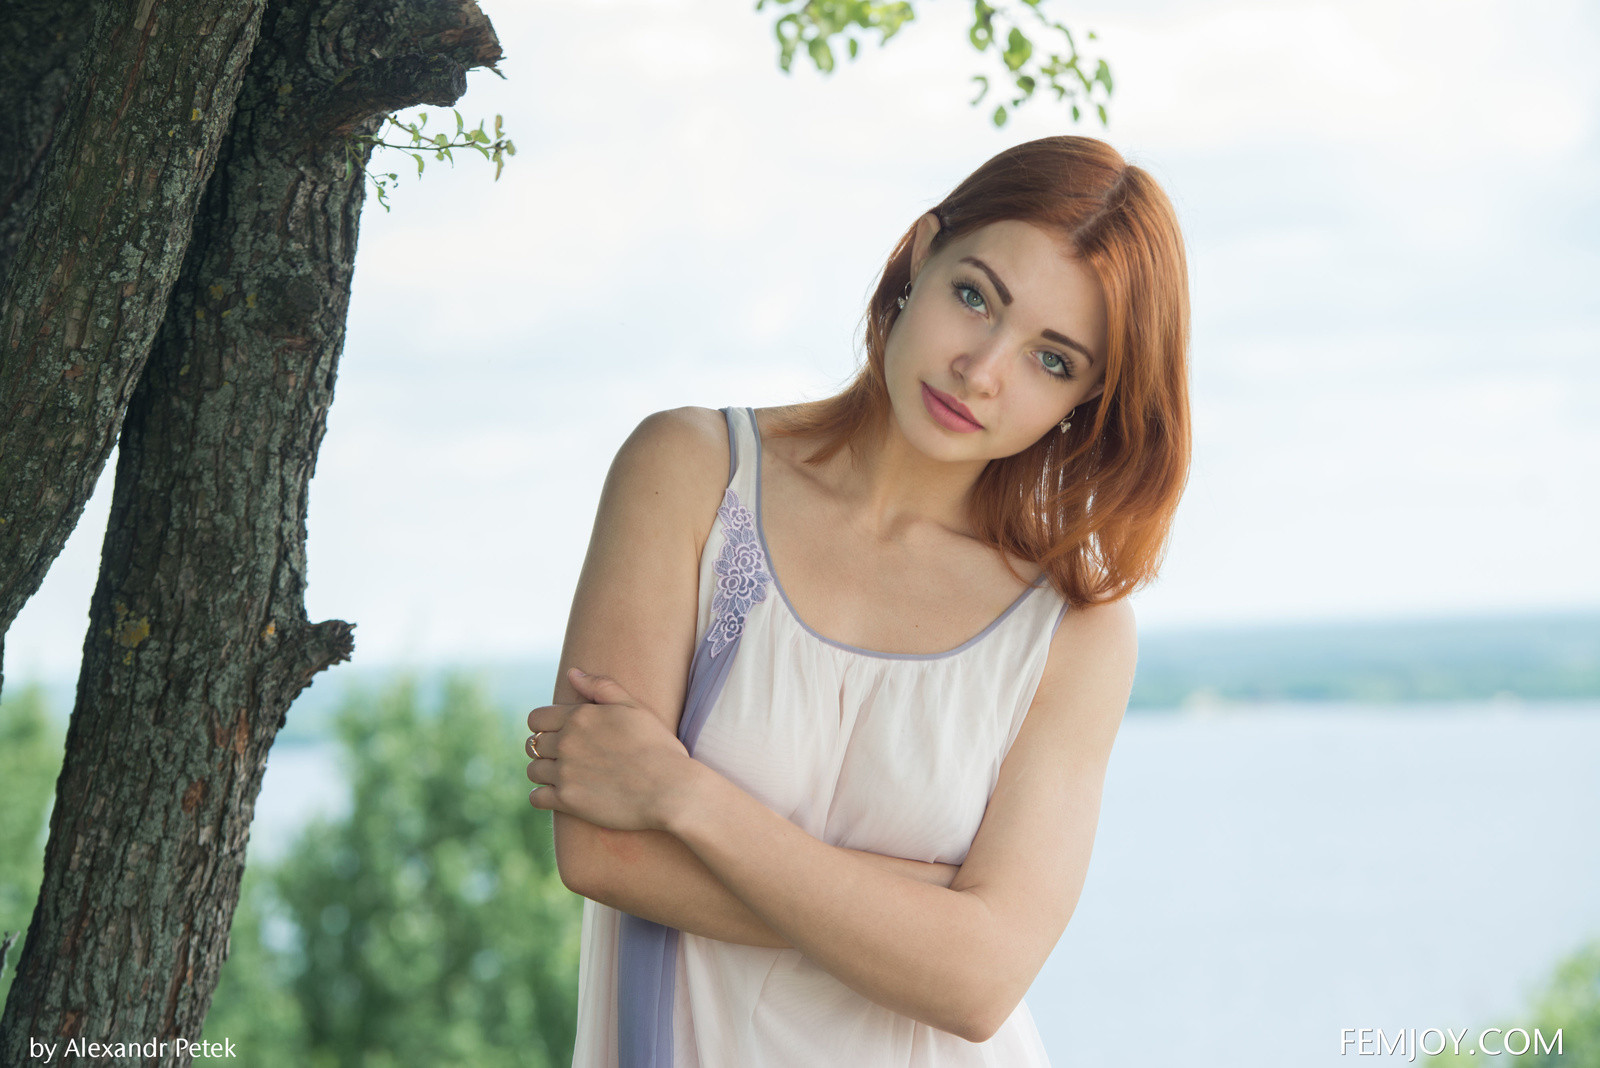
[{"x": 741, "y": 574}]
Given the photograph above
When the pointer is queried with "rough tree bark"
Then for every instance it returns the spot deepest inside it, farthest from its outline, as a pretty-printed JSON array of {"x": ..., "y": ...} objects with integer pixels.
[
  {"x": 133, "y": 149},
  {"x": 198, "y": 637},
  {"x": 43, "y": 41}
]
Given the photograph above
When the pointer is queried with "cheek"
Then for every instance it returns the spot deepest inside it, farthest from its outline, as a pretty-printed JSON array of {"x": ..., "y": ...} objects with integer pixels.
[{"x": 1035, "y": 408}]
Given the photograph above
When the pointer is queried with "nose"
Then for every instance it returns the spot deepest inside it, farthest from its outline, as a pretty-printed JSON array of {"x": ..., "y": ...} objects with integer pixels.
[{"x": 981, "y": 367}]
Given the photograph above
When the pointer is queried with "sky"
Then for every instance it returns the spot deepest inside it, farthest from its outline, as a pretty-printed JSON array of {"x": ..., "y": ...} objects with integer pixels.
[{"x": 1392, "y": 212}]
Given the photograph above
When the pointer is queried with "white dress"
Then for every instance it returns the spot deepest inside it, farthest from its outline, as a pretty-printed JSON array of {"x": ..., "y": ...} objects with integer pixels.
[{"x": 886, "y": 752}]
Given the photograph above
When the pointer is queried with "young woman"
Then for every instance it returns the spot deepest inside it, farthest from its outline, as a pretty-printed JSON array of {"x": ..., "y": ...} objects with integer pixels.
[{"x": 855, "y": 666}]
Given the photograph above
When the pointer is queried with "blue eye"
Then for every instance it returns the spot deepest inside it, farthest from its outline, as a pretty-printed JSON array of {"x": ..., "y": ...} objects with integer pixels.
[
  {"x": 1061, "y": 368},
  {"x": 963, "y": 288}
]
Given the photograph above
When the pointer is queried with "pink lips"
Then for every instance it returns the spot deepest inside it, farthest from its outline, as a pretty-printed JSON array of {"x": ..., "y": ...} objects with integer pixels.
[{"x": 948, "y": 412}]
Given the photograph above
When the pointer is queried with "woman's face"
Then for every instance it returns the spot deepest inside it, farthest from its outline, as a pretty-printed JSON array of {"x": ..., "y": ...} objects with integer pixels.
[{"x": 1003, "y": 323}]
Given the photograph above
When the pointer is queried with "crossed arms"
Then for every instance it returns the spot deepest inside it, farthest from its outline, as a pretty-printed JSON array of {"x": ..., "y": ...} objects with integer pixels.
[{"x": 955, "y": 948}]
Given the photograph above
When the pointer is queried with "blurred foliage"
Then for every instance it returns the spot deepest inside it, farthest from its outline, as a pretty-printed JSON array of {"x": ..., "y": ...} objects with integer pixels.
[
  {"x": 30, "y": 759},
  {"x": 1033, "y": 51},
  {"x": 1569, "y": 1004},
  {"x": 426, "y": 927}
]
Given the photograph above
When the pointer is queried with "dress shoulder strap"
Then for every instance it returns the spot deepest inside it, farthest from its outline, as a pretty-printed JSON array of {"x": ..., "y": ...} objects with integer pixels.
[{"x": 744, "y": 454}]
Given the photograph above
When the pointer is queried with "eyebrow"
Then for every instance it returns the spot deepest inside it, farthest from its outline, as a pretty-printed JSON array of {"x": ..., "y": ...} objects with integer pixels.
[{"x": 1005, "y": 298}]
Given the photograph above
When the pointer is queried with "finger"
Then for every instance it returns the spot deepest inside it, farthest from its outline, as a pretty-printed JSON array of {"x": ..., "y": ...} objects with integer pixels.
[
  {"x": 545, "y": 745},
  {"x": 544, "y": 771},
  {"x": 543, "y": 797},
  {"x": 549, "y": 718},
  {"x": 599, "y": 689}
]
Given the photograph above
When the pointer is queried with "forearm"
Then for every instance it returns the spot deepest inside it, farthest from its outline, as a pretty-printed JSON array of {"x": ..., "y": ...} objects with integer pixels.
[
  {"x": 653, "y": 875},
  {"x": 914, "y": 947}
]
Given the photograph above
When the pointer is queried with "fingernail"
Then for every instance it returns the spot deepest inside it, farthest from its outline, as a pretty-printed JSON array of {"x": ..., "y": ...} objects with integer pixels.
[{"x": 577, "y": 671}]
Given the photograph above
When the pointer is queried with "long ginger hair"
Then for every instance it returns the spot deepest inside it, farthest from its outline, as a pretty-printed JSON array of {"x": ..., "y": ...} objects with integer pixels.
[{"x": 1092, "y": 506}]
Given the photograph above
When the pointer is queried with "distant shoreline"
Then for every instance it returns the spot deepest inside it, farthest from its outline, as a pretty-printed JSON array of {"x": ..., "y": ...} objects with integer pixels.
[{"x": 1506, "y": 658}]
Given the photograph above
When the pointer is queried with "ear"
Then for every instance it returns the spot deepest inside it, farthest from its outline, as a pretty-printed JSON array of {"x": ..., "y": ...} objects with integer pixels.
[{"x": 922, "y": 242}]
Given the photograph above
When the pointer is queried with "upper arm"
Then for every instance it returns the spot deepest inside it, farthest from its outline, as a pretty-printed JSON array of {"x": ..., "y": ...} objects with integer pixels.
[
  {"x": 1030, "y": 857},
  {"x": 634, "y": 611}
]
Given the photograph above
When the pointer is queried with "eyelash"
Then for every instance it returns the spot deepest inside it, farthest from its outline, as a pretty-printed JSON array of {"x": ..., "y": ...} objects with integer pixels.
[{"x": 960, "y": 284}]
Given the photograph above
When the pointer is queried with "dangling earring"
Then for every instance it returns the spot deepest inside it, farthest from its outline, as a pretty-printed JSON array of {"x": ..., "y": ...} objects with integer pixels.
[
  {"x": 902, "y": 298},
  {"x": 1066, "y": 424}
]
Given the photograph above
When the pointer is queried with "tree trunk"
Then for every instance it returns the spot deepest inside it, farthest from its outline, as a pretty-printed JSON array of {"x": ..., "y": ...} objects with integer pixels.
[
  {"x": 42, "y": 41},
  {"x": 87, "y": 288},
  {"x": 198, "y": 637}
]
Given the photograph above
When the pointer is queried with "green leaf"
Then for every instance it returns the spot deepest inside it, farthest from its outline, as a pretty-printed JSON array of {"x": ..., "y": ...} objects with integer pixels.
[
  {"x": 821, "y": 54},
  {"x": 982, "y": 92},
  {"x": 419, "y": 162},
  {"x": 1101, "y": 108},
  {"x": 853, "y": 47},
  {"x": 1018, "y": 49},
  {"x": 982, "y": 32},
  {"x": 1076, "y": 114},
  {"x": 459, "y": 125},
  {"x": 1102, "y": 75},
  {"x": 1000, "y": 115}
]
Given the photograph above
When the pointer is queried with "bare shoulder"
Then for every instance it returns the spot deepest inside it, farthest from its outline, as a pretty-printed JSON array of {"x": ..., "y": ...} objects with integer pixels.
[
  {"x": 1087, "y": 679},
  {"x": 690, "y": 441},
  {"x": 1108, "y": 628},
  {"x": 679, "y": 457}
]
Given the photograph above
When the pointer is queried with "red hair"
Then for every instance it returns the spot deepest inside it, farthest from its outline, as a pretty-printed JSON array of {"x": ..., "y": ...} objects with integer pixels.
[{"x": 1093, "y": 506}]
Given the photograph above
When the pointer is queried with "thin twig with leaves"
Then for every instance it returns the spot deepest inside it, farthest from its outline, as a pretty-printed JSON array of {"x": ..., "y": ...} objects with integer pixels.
[
  {"x": 816, "y": 24},
  {"x": 493, "y": 149}
]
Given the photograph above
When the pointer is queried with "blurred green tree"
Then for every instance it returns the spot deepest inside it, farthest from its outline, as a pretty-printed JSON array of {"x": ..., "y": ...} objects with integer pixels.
[
  {"x": 1569, "y": 1004},
  {"x": 30, "y": 757},
  {"x": 426, "y": 927}
]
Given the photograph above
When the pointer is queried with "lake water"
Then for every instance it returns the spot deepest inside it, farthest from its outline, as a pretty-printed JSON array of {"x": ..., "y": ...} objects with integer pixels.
[{"x": 1264, "y": 877}]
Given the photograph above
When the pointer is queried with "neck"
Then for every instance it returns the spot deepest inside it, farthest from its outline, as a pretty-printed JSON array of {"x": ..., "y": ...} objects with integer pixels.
[{"x": 891, "y": 488}]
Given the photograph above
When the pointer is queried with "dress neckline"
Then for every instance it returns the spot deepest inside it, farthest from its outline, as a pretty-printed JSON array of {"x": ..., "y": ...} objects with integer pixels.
[{"x": 772, "y": 572}]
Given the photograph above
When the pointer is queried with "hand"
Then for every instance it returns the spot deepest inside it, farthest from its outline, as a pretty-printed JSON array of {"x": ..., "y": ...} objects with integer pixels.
[{"x": 609, "y": 761}]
